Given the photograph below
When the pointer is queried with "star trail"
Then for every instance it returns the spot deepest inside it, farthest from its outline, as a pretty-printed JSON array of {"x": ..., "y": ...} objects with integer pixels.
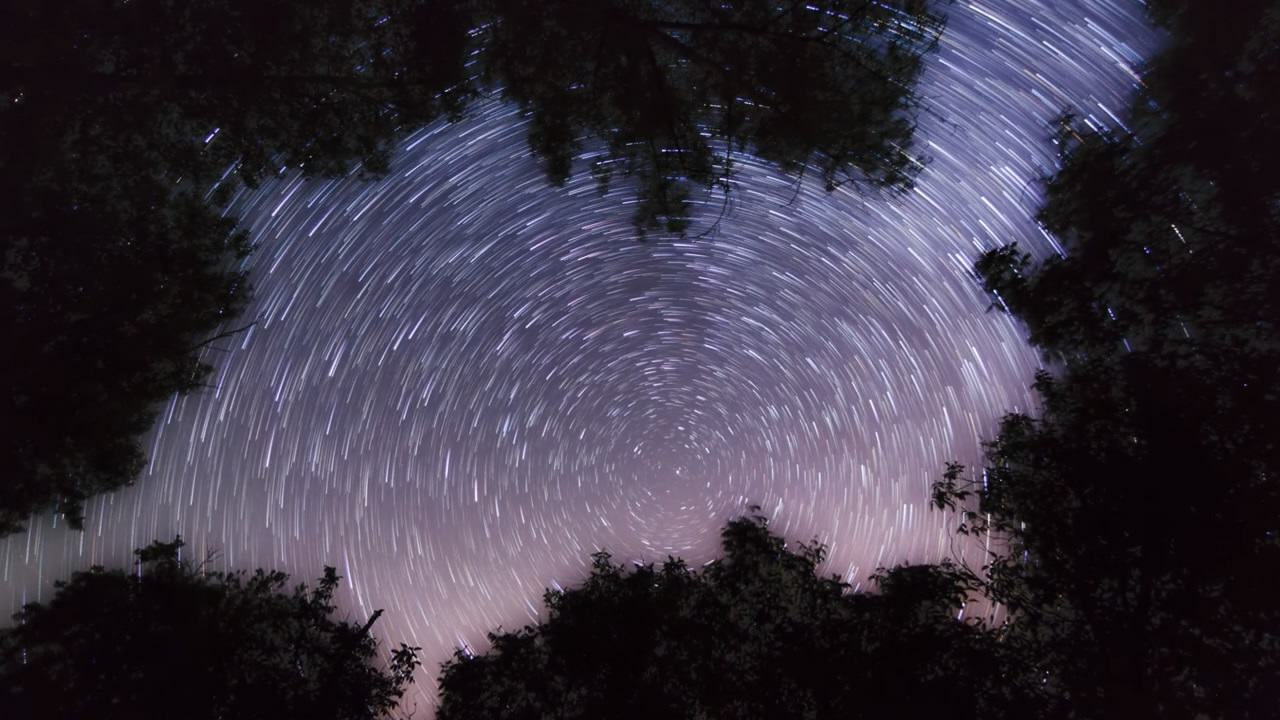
[{"x": 462, "y": 381}]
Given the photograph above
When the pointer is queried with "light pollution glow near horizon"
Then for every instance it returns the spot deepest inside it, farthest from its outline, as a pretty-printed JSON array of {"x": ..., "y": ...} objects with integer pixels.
[{"x": 464, "y": 381}]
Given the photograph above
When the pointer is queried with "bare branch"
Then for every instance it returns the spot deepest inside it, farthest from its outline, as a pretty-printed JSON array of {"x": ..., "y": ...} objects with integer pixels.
[{"x": 220, "y": 336}]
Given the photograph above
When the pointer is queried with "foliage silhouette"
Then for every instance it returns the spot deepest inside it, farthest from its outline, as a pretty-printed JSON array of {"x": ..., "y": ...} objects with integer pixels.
[
  {"x": 1137, "y": 516},
  {"x": 172, "y": 640},
  {"x": 755, "y": 634},
  {"x": 119, "y": 122},
  {"x": 672, "y": 91}
]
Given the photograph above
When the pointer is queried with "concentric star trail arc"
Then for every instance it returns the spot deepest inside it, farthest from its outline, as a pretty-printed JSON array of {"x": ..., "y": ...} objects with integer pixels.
[{"x": 462, "y": 381}]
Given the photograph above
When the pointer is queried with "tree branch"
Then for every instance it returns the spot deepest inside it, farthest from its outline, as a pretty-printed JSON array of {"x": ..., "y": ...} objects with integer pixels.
[
  {"x": 222, "y": 335},
  {"x": 364, "y": 630}
]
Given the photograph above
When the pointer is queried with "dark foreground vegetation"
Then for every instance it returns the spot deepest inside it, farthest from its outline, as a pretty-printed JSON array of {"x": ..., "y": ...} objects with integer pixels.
[
  {"x": 170, "y": 639},
  {"x": 1135, "y": 521},
  {"x": 1141, "y": 509},
  {"x": 757, "y": 633}
]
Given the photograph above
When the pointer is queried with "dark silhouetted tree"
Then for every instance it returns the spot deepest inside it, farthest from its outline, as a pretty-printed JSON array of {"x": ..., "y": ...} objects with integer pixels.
[
  {"x": 1136, "y": 518},
  {"x": 669, "y": 93},
  {"x": 755, "y": 634},
  {"x": 118, "y": 123},
  {"x": 172, "y": 640},
  {"x": 200, "y": 86}
]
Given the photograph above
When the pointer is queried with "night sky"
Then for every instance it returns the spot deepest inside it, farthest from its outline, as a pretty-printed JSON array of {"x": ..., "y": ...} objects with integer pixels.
[{"x": 463, "y": 381}]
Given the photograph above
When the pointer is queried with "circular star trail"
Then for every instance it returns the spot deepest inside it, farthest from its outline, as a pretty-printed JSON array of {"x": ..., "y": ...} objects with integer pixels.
[{"x": 463, "y": 381}]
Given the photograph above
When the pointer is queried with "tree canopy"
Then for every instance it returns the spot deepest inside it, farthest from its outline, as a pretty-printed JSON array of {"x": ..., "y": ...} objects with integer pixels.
[
  {"x": 668, "y": 93},
  {"x": 1137, "y": 515},
  {"x": 757, "y": 633},
  {"x": 119, "y": 123},
  {"x": 169, "y": 639}
]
